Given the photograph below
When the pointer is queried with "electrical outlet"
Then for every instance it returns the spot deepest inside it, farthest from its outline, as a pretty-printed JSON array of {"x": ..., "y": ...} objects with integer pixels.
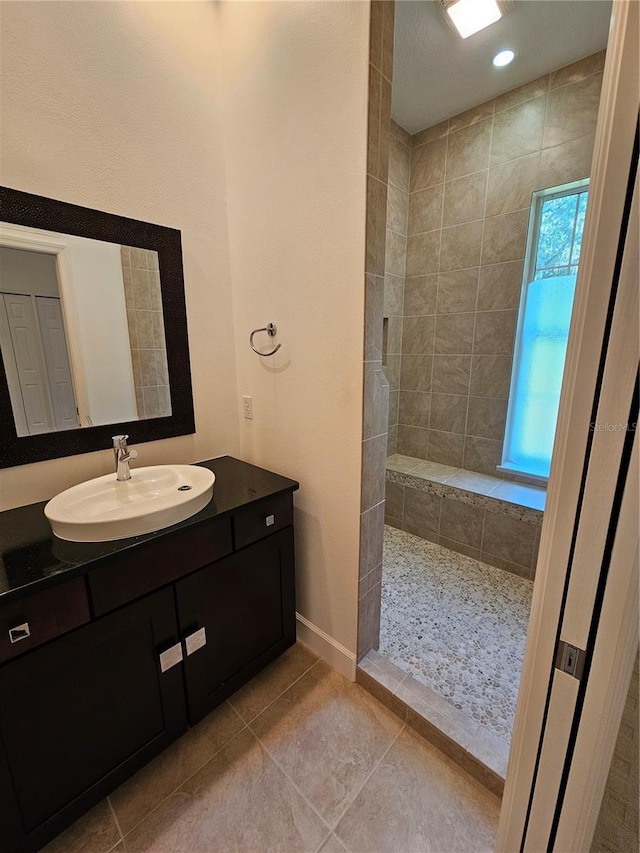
[{"x": 248, "y": 407}]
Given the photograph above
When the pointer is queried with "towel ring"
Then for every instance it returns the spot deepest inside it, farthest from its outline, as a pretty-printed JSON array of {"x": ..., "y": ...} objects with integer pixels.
[{"x": 271, "y": 330}]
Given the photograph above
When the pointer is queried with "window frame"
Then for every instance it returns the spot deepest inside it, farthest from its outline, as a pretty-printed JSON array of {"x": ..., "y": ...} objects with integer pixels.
[{"x": 533, "y": 232}]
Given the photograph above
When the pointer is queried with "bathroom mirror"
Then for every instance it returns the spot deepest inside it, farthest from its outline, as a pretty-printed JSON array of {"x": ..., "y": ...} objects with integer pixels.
[{"x": 93, "y": 330}]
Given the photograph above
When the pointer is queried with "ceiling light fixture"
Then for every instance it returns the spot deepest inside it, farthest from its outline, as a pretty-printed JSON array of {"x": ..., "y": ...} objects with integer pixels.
[
  {"x": 503, "y": 57},
  {"x": 471, "y": 16}
]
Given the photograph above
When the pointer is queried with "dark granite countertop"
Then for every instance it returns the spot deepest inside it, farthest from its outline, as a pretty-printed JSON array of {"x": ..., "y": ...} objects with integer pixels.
[{"x": 32, "y": 558}]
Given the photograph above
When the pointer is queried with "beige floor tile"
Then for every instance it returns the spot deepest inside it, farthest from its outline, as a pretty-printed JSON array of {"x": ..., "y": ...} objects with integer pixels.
[
  {"x": 327, "y": 734},
  {"x": 417, "y": 800},
  {"x": 333, "y": 845},
  {"x": 262, "y": 690},
  {"x": 137, "y": 797},
  {"x": 95, "y": 832},
  {"x": 240, "y": 801}
]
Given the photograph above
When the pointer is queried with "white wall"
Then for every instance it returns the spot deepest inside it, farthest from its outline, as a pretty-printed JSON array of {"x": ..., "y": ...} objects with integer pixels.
[
  {"x": 113, "y": 106},
  {"x": 295, "y": 96}
]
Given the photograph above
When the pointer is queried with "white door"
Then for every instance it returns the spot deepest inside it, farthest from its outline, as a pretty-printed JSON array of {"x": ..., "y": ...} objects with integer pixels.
[
  {"x": 27, "y": 349},
  {"x": 56, "y": 358},
  {"x": 583, "y": 633},
  {"x": 11, "y": 370}
]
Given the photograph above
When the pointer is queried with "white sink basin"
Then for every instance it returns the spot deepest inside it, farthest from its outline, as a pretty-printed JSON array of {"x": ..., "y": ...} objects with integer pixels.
[{"x": 104, "y": 509}]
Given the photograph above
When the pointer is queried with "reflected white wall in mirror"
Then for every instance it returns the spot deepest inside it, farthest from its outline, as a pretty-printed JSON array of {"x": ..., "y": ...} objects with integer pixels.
[{"x": 81, "y": 331}]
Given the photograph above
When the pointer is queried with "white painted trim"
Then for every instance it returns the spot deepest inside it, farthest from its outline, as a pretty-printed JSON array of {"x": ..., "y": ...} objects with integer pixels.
[
  {"x": 30, "y": 239},
  {"x": 326, "y": 647},
  {"x": 612, "y": 155},
  {"x": 611, "y": 671}
]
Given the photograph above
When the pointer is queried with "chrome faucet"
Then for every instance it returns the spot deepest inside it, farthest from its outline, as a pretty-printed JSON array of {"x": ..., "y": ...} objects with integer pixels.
[{"x": 123, "y": 456}]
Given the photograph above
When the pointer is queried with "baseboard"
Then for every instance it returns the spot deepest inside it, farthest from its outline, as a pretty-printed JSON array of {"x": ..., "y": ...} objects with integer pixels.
[{"x": 326, "y": 647}]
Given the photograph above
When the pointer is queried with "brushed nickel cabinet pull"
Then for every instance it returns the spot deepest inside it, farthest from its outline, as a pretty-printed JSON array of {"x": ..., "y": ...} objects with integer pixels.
[
  {"x": 195, "y": 641},
  {"x": 20, "y": 632},
  {"x": 171, "y": 657}
]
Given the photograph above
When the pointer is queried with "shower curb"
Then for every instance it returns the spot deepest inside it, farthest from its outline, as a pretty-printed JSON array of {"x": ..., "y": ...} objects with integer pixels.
[{"x": 486, "y": 762}]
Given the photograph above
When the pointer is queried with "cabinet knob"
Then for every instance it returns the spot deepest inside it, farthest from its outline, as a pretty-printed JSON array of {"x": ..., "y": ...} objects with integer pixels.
[
  {"x": 195, "y": 641},
  {"x": 170, "y": 657},
  {"x": 20, "y": 632},
  {"x": 270, "y": 520}
]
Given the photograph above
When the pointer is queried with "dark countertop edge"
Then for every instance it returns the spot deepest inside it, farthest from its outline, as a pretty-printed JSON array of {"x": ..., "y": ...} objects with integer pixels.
[{"x": 40, "y": 584}]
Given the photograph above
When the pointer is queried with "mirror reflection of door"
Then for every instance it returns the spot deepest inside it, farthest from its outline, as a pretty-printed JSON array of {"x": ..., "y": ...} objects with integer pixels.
[
  {"x": 33, "y": 342},
  {"x": 81, "y": 331}
]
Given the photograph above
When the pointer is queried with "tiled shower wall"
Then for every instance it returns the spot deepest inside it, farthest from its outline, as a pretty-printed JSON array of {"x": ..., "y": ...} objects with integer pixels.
[
  {"x": 143, "y": 299},
  {"x": 470, "y": 185},
  {"x": 376, "y": 388},
  {"x": 394, "y": 268}
]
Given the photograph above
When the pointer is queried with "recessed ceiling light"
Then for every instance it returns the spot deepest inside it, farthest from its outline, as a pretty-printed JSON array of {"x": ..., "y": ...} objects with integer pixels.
[
  {"x": 471, "y": 16},
  {"x": 503, "y": 57}
]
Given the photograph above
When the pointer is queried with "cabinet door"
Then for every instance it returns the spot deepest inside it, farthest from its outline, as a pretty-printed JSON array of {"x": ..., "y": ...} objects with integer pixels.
[
  {"x": 83, "y": 713},
  {"x": 246, "y": 606}
]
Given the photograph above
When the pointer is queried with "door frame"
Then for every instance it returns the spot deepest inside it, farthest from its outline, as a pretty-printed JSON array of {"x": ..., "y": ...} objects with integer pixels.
[
  {"x": 17, "y": 237},
  {"x": 613, "y": 154}
]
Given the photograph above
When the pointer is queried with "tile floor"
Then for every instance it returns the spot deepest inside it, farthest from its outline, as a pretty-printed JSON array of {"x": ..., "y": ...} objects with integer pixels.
[
  {"x": 456, "y": 625},
  {"x": 300, "y": 759}
]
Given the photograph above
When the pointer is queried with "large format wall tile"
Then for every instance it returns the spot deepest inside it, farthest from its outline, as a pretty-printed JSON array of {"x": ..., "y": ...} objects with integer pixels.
[
  {"x": 448, "y": 412},
  {"x": 468, "y": 149},
  {"x": 500, "y": 286},
  {"x": 464, "y": 199},
  {"x": 417, "y": 334},
  {"x": 572, "y": 111},
  {"x": 428, "y": 164},
  {"x": 570, "y": 161},
  {"x": 425, "y": 209},
  {"x": 494, "y": 333},
  {"x": 451, "y": 374},
  {"x": 471, "y": 180},
  {"x": 413, "y": 441},
  {"x": 399, "y": 163},
  {"x": 415, "y": 407},
  {"x": 446, "y": 448},
  {"x": 460, "y": 247},
  {"x": 457, "y": 291},
  {"x": 518, "y": 131},
  {"x": 490, "y": 376},
  {"x": 423, "y": 253},
  {"x": 505, "y": 237},
  {"x": 511, "y": 184},
  {"x": 462, "y": 522},
  {"x": 486, "y": 417},
  {"x": 420, "y": 295},
  {"x": 454, "y": 333}
]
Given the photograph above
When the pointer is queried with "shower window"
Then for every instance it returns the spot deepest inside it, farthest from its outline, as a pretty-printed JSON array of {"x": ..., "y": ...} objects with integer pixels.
[{"x": 556, "y": 225}]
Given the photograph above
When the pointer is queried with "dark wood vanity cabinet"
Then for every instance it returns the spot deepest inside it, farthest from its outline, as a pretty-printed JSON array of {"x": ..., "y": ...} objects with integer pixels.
[
  {"x": 81, "y": 714},
  {"x": 243, "y": 609},
  {"x": 85, "y": 710}
]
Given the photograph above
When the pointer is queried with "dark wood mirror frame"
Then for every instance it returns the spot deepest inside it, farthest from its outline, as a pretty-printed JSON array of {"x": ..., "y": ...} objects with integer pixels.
[{"x": 35, "y": 211}]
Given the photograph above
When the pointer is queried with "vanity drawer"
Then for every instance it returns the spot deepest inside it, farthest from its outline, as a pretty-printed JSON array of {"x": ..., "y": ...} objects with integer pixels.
[
  {"x": 262, "y": 518},
  {"x": 134, "y": 573},
  {"x": 41, "y": 617}
]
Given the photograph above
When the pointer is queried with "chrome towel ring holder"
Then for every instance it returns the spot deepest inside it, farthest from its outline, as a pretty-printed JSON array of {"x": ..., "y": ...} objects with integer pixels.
[{"x": 271, "y": 330}]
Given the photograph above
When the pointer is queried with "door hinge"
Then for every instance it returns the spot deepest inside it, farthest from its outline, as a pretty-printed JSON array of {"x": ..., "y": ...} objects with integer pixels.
[{"x": 570, "y": 659}]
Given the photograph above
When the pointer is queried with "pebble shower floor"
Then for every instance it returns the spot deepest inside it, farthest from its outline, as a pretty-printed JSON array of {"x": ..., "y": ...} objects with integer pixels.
[{"x": 457, "y": 625}]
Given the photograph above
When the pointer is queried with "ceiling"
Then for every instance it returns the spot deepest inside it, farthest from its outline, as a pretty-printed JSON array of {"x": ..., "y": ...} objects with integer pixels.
[{"x": 437, "y": 74}]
